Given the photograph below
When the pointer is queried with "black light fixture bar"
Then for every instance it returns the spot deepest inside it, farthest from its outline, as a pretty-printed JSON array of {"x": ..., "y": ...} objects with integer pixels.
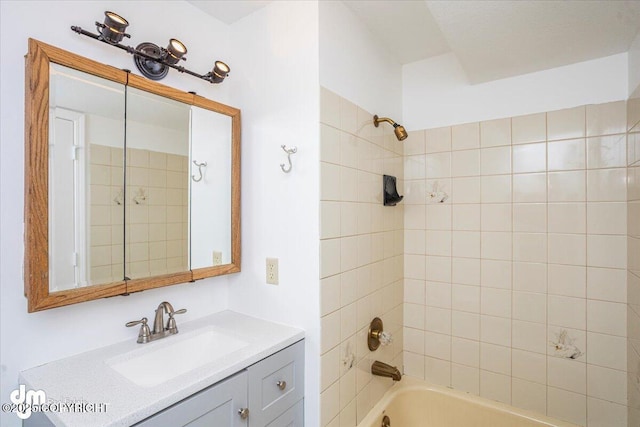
[{"x": 211, "y": 77}]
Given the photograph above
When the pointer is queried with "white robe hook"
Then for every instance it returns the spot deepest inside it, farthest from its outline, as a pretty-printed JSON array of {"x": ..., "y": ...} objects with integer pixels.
[{"x": 289, "y": 152}]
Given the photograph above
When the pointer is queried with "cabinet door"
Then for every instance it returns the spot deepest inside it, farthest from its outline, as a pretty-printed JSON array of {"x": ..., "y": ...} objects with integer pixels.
[
  {"x": 294, "y": 417},
  {"x": 218, "y": 406},
  {"x": 276, "y": 384}
]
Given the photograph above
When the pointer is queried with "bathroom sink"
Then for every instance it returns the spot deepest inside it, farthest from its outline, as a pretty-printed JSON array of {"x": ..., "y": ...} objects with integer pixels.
[{"x": 164, "y": 360}]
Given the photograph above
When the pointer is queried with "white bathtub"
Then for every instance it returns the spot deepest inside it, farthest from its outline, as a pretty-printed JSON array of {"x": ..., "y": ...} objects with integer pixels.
[{"x": 415, "y": 403}]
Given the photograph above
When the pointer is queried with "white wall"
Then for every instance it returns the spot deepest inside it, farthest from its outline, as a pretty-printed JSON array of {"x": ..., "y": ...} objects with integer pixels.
[
  {"x": 436, "y": 91},
  {"x": 28, "y": 340},
  {"x": 355, "y": 65},
  {"x": 634, "y": 65},
  {"x": 275, "y": 81}
]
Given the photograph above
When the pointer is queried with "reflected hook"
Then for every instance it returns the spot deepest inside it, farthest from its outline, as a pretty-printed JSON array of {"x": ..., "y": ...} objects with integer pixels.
[
  {"x": 289, "y": 152},
  {"x": 199, "y": 165}
]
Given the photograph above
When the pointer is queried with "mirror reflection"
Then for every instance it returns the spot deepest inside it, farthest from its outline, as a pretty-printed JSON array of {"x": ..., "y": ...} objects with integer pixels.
[
  {"x": 86, "y": 146},
  {"x": 151, "y": 179},
  {"x": 157, "y": 184},
  {"x": 210, "y": 188}
]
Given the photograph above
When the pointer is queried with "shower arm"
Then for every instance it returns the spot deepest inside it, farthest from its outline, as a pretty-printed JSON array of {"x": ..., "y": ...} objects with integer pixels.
[{"x": 377, "y": 120}]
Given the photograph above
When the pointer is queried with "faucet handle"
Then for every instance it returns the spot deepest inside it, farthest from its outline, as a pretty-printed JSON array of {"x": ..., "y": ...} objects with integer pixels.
[
  {"x": 144, "y": 336},
  {"x": 171, "y": 323}
]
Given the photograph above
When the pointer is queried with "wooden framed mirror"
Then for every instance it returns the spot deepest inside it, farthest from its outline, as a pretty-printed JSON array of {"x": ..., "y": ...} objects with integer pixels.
[{"x": 129, "y": 184}]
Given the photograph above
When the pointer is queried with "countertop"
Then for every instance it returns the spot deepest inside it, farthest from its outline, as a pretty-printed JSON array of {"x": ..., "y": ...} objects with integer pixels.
[{"x": 86, "y": 377}]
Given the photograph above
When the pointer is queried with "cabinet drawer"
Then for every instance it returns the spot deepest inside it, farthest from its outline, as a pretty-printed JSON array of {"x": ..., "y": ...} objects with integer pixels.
[
  {"x": 217, "y": 406},
  {"x": 294, "y": 417},
  {"x": 276, "y": 384}
]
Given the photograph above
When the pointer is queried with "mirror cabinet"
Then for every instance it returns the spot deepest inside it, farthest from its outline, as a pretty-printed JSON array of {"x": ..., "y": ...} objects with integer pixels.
[{"x": 129, "y": 184}]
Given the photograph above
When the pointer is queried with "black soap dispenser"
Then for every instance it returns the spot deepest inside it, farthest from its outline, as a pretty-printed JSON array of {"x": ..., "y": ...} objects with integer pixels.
[{"x": 391, "y": 196}]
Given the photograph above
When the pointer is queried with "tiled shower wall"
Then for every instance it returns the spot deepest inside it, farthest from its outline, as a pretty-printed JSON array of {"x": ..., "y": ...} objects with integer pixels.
[
  {"x": 157, "y": 213},
  {"x": 515, "y": 261},
  {"x": 361, "y": 246},
  {"x": 107, "y": 216},
  {"x": 633, "y": 260}
]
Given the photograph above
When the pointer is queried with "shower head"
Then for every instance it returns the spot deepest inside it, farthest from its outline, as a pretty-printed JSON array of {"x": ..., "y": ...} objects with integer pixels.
[{"x": 399, "y": 130}]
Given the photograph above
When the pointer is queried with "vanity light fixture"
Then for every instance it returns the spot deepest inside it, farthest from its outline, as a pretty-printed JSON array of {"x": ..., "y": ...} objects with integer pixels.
[
  {"x": 152, "y": 60},
  {"x": 112, "y": 31}
]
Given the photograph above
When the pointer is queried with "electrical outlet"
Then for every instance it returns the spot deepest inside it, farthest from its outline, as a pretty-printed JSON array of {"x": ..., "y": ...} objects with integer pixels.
[
  {"x": 272, "y": 271},
  {"x": 217, "y": 258}
]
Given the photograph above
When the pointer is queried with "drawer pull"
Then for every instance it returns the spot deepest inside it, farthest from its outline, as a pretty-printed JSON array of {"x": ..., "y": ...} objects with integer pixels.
[
  {"x": 281, "y": 385},
  {"x": 244, "y": 413}
]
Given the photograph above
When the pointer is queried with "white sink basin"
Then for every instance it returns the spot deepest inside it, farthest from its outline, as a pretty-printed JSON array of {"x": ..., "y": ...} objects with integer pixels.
[{"x": 167, "y": 359}]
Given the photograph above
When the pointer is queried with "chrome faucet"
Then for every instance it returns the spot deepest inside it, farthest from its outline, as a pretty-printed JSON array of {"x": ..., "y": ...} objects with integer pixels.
[
  {"x": 383, "y": 370},
  {"x": 159, "y": 330}
]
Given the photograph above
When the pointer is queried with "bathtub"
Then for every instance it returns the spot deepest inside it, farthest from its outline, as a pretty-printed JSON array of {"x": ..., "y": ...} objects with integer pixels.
[{"x": 415, "y": 403}]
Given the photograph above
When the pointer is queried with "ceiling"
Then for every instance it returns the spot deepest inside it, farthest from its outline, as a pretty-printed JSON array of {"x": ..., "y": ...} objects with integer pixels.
[{"x": 491, "y": 39}]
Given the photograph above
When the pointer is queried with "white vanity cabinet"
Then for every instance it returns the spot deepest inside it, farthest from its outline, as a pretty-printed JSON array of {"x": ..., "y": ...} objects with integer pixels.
[{"x": 268, "y": 393}]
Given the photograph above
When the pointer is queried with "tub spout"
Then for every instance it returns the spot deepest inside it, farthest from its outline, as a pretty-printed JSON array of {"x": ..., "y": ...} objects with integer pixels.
[{"x": 383, "y": 370}]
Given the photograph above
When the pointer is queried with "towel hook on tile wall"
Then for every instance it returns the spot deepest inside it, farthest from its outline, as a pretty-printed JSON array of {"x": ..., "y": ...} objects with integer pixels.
[
  {"x": 199, "y": 165},
  {"x": 289, "y": 152}
]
